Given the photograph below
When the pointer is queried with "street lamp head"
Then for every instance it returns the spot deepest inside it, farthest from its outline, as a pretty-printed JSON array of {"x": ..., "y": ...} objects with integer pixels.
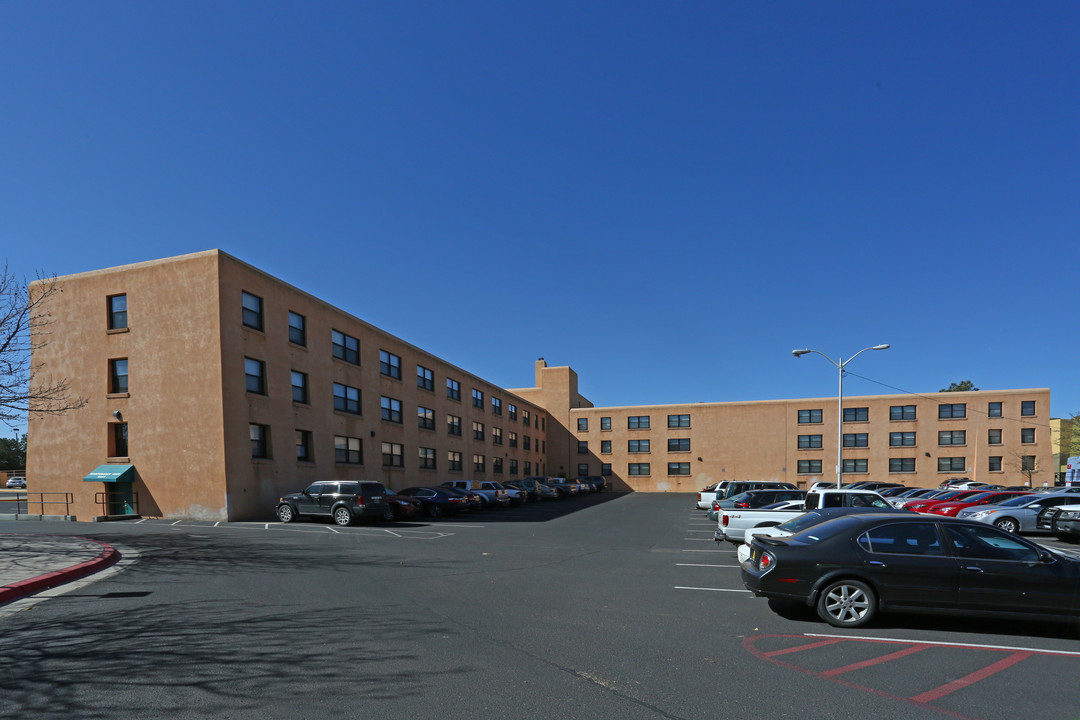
[
  {"x": 800, "y": 353},
  {"x": 881, "y": 347}
]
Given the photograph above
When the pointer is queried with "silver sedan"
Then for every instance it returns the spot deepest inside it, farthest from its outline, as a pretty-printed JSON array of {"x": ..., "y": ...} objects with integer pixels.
[{"x": 1015, "y": 514}]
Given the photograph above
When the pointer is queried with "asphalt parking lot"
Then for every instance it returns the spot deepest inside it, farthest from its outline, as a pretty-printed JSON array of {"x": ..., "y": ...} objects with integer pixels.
[{"x": 619, "y": 606}]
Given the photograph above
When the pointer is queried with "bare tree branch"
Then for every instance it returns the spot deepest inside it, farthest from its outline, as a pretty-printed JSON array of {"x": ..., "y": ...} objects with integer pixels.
[{"x": 25, "y": 327}]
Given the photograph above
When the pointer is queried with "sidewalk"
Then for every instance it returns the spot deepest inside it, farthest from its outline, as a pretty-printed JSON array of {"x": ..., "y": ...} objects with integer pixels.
[{"x": 32, "y": 563}]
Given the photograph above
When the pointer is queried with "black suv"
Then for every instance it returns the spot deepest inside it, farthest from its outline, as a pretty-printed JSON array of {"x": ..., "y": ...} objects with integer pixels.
[{"x": 344, "y": 501}]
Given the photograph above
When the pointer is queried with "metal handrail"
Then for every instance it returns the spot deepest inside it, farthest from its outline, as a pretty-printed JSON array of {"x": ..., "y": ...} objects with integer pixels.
[
  {"x": 104, "y": 499},
  {"x": 29, "y": 499}
]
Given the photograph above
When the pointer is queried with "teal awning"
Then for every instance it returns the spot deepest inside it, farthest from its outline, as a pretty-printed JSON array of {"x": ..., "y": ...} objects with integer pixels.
[{"x": 112, "y": 473}]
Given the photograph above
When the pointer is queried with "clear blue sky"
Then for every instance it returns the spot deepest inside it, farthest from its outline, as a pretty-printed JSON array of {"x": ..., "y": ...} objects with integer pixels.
[{"x": 668, "y": 197}]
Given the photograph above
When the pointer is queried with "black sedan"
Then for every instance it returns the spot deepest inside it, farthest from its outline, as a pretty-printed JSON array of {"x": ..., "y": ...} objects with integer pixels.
[
  {"x": 851, "y": 567},
  {"x": 438, "y": 501}
]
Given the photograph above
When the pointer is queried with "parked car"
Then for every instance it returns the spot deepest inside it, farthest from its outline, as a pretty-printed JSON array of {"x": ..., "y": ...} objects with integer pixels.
[
  {"x": 850, "y": 568},
  {"x": 438, "y": 501},
  {"x": 924, "y": 504},
  {"x": 400, "y": 507},
  {"x": 16, "y": 482},
  {"x": 1017, "y": 514},
  {"x": 344, "y": 501},
  {"x": 517, "y": 496},
  {"x": 473, "y": 501},
  {"x": 492, "y": 496},
  {"x": 597, "y": 481},
  {"x": 543, "y": 492},
  {"x": 734, "y": 523},
  {"x": 564, "y": 488},
  {"x": 910, "y": 495},
  {"x": 741, "y": 486},
  {"x": 984, "y": 498},
  {"x": 802, "y": 522}
]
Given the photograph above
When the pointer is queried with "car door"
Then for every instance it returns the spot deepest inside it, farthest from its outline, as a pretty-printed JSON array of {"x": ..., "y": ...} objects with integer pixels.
[
  {"x": 330, "y": 494},
  {"x": 910, "y": 565},
  {"x": 1001, "y": 572},
  {"x": 308, "y": 502}
]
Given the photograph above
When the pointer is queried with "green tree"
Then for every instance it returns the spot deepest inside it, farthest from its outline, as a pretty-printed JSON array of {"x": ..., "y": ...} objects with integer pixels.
[
  {"x": 13, "y": 453},
  {"x": 962, "y": 386},
  {"x": 1070, "y": 430}
]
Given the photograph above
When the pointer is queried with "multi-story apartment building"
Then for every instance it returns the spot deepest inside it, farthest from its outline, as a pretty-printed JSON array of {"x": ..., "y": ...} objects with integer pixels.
[{"x": 215, "y": 388}]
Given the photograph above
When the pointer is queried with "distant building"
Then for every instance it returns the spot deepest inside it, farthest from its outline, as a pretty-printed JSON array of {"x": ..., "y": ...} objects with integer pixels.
[
  {"x": 1061, "y": 437},
  {"x": 215, "y": 388}
]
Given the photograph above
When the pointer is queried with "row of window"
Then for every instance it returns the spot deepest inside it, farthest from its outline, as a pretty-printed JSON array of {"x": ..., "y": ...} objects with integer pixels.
[
  {"x": 857, "y": 466},
  {"x": 349, "y": 451},
  {"x": 907, "y": 439},
  {"x": 946, "y": 411},
  {"x": 636, "y": 446},
  {"x": 636, "y": 422}
]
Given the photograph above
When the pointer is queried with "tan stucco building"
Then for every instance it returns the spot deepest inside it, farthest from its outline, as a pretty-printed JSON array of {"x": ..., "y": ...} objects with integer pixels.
[{"x": 214, "y": 388}]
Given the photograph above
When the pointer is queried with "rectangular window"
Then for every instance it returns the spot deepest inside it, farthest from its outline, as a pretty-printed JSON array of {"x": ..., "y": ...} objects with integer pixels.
[
  {"x": 260, "y": 440},
  {"x": 951, "y": 464},
  {"x": 299, "y": 387},
  {"x": 453, "y": 461},
  {"x": 346, "y": 399},
  {"x": 477, "y": 399},
  {"x": 582, "y": 469},
  {"x": 855, "y": 466},
  {"x": 496, "y": 406},
  {"x": 901, "y": 465},
  {"x": 678, "y": 445},
  {"x": 297, "y": 328},
  {"x": 993, "y": 409},
  {"x": 497, "y": 465},
  {"x": 583, "y": 447},
  {"x": 528, "y": 467},
  {"x": 809, "y": 467},
  {"x": 605, "y": 447},
  {"x": 496, "y": 436},
  {"x": 425, "y": 418},
  {"x": 478, "y": 430},
  {"x": 901, "y": 439},
  {"x": 525, "y": 417},
  {"x": 119, "y": 440},
  {"x": 902, "y": 412},
  {"x": 255, "y": 375},
  {"x": 994, "y": 464},
  {"x": 345, "y": 347},
  {"x": 856, "y": 439},
  {"x": 527, "y": 443},
  {"x": 993, "y": 437},
  {"x": 809, "y": 442},
  {"x": 605, "y": 469},
  {"x": 956, "y": 410},
  {"x": 453, "y": 389},
  {"x": 810, "y": 417},
  {"x": 303, "y": 446},
  {"x": 952, "y": 437},
  {"x": 393, "y": 455},
  {"x": 856, "y": 414},
  {"x": 583, "y": 424},
  {"x": 513, "y": 466},
  {"x": 605, "y": 423},
  {"x": 1027, "y": 463},
  {"x": 638, "y": 422},
  {"x": 1027, "y": 408},
  {"x": 427, "y": 458},
  {"x": 391, "y": 409},
  {"x": 453, "y": 425},
  {"x": 638, "y": 446},
  {"x": 425, "y": 378},
  {"x": 478, "y": 463},
  {"x": 638, "y": 469},
  {"x": 118, "y": 375},
  {"x": 678, "y": 468},
  {"x": 1027, "y": 435},
  {"x": 348, "y": 451},
  {"x": 513, "y": 439},
  {"x": 389, "y": 364},
  {"x": 117, "y": 305},
  {"x": 511, "y": 411},
  {"x": 253, "y": 317},
  {"x": 678, "y": 421}
]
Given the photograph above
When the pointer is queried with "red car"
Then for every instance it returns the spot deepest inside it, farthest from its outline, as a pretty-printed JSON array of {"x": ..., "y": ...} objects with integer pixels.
[
  {"x": 983, "y": 498},
  {"x": 956, "y": 496}
]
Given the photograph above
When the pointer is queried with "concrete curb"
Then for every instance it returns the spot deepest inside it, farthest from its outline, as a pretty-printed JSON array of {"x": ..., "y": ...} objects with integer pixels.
[{"x": 109, "y": 556}]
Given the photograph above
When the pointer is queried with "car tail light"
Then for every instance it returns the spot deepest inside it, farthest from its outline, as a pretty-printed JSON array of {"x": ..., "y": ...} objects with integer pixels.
[
  {"x": 767, "y": 562},
  {"x": 724, "y": 520},
  {"x": 699, "y": 496},
  {"x": 716, "y": 506},
  {"x": 361, "y": 502},
  {"x": 742, "y": 505}
]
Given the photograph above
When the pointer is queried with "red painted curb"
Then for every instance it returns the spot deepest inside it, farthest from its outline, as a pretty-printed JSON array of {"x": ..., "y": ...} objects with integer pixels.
[{"x": 109, "y": 556}]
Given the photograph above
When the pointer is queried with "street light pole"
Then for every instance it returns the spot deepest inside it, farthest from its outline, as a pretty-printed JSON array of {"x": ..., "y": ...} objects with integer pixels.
[{"x": 840, "y": 364}]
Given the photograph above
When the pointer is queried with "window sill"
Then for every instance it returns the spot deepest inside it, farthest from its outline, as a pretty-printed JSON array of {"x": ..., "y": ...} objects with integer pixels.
[
  {"x": 117, "y": 331},
  {"x": 810, "y": 449},
  {"x": 298, "y": 346},
  {"x": 256, "y": 330},
  {"x": 116, "y": 396},
  {"x": 262, "y": 461},
  {"x": 118, "y": 460}
]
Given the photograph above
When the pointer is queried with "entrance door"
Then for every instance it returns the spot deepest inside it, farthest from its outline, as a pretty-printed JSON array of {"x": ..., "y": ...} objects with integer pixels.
[{"x": 121, "y": 498}]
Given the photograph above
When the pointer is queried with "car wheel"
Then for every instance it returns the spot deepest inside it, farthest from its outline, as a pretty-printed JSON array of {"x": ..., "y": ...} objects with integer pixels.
[
  {"x": 847, "y": 603},
  {"x": 285, "y": 513},
  {"x": 342, "y": 516},
  {"x": 434, "y": 510},
  {"x": 388, "y": 515},
  {"x": 1008, "y": 525}
]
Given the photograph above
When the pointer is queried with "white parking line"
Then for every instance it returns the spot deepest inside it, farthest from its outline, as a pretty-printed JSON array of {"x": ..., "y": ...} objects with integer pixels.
[
  {"x": 700, "y": 539},
  {"x": 679, "y": 587},
  {"x": 943, "y": 643},
  {"x": 704, "y": 531},
  {"x": 713, "y": 551}
]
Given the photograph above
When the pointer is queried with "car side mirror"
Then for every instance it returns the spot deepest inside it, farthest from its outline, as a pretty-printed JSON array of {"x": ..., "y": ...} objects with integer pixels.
[{"x": 1045, "y": 557}]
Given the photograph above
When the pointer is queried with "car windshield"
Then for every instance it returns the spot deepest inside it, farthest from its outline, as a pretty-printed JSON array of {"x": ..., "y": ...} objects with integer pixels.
[
  {"x": 826, "y": 530},
  {"x": 979, "y": 496}
]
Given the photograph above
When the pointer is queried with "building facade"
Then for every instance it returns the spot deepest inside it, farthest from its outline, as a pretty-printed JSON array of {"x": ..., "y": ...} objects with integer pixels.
[{"x": 213, "y": 388}]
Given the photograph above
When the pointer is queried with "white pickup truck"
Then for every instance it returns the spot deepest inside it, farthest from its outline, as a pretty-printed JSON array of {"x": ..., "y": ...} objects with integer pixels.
[{"x": 733, "y": 524}]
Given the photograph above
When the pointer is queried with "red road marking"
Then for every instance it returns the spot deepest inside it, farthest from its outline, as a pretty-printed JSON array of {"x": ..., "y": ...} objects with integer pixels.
[
  {"x": 876, "y": 661},
  {"x": 798, "y": 648},
  {"x": 931, "y": 695}
]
